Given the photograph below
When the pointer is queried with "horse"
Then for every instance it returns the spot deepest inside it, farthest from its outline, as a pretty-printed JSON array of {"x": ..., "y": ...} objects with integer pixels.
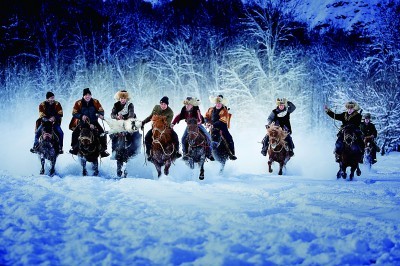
[
  {"x": 369, "y": 148},
  {"x": 350, "y": 155},
  {"x": 125, "y": 139},
  {"x": 277, "y": 148},
  {"x": 88, "y": 149},
  {"x": 48, "y": 147},
  {"x": 162, "y": 148},
  {"x": 220, "y": 147},
  {"x": 197, "y": 145}
]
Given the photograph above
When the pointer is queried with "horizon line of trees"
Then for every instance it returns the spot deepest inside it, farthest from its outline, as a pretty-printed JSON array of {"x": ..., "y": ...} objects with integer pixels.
[{"x": 252, "y": 53}]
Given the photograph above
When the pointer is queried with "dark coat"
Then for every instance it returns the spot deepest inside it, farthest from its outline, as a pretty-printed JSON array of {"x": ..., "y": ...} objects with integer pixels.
[
  {"x": 346, "y": 118},
  {"x": 91, "y": 109},
  {"x": 168, "y": 113},
  {"x": 369, "y": 129},
  {"x": 282, "y": 117},
  {"x": 192, "y": 113},
  {"x": 47, "y": 110}
]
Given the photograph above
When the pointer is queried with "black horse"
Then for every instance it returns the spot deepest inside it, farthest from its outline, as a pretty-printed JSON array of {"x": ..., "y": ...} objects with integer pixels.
[
  {"x": 89, "y": 149},
  {"x": 220, "y": 147},
  {"x": 125, "y": 145},
  {"x": 48, "y": 147},
  {"x": 351, "y": 153}
]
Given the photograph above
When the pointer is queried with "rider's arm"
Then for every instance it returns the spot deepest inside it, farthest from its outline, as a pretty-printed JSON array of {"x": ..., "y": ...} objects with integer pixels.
[
  {"x": 271, "y": 118},
  {"x": 114, "y": 113},
  {"x": 131, "y": 110},
  {"x": 291, "y": 107},
  {"x": 76, "y": 111}
]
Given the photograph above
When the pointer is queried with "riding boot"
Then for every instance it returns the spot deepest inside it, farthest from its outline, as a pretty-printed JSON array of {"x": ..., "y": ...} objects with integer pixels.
[
  {"x": 74, "y": 150},
  {"x": 60, "y": 150},
  {"x": 373, "y": 155},
  {"x": 265, "y": 146},
  {"x": 103, "y": 151},
  {"x": 232, "y": 153},
  {"x": 35, "y": 147},
  {"x": 184, "y": 151},
  {"x": 337, "y": 157}
]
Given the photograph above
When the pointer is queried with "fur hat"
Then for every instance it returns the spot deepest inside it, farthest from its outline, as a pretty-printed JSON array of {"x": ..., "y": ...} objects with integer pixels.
[
  {"x": 49, "y": 94},
  {"x": 218, "y": 99},
  {"x": 192, "y": 101},
  {"x": 352, "y": 105},
  {"x": 281, "y": 101},
  {"x": 86, "y": 91},
  {"x": 122, "y": 94},
  {"x": 367, "y": 116},
  {"x": 164, "y": 100}
]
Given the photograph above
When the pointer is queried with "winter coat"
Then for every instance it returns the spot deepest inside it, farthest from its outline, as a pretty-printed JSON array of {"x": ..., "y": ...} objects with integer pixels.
[
  {"x": 368, "y": 130},
  {"x": 91, "y": 109},
  {"x": 168, "y": 113},
  {"x": 218, "y": 117},
  {"x": 282, "y": 117},
  {"x": 192, "y": 113},
  {"x": 118, "y": 107},
  {"x": 47, "y": 110},
  {"x": 346, "y": 118}
]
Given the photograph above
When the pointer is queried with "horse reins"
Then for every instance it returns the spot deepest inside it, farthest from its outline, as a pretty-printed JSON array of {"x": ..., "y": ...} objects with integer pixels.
[{"x": 157, "y": 140}]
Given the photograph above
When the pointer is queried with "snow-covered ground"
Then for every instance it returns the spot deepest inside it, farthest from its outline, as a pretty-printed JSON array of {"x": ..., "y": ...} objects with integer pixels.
[{"x": 244, "y": 217}]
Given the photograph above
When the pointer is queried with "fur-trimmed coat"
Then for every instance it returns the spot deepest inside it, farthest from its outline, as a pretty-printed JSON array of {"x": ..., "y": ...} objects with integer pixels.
[
  {"x": 168, "y": 113},
  {"x": 90, "y": 109},
  {"x": 214, "y": 115},
  {"x": 118, "y": 107},
  {"x": 282, "y": 117}
]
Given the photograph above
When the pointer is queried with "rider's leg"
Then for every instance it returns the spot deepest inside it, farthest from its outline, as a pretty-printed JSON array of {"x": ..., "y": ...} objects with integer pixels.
[
  {"x": 74, "y": 141},
  {"x": 290, "y": 143},
  {"x": 148, "y": 139},
  {"x": 36, "y": 141},
  {"x": 338, "y": 148},
  {"x": 103, "y": 141},
  {"x": 231, "y": 144},
  {"x": 60, "y": 135},
  {"x": 265, "y": 143},
  {"x": 208, "y": 137},
  {"x": 175, "y": 140},
  {"x": 184, "y": 144}
]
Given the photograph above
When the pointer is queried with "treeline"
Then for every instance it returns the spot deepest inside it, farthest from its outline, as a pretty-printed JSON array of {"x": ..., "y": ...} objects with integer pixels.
[{"x": 253, "y": 53}]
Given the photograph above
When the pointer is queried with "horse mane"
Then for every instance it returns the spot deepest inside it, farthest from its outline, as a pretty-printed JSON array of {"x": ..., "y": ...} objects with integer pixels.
[
  {"x": 159, "y": 121},
  {"x": 277, "y": 132}
]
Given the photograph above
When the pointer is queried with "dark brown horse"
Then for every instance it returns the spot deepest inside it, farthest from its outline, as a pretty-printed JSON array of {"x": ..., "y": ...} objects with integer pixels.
[
  {"x": 48, "y": 147},
  {"x": 162, "y": 149},
  {"x": 88, "y": 149},
  {"x": 351, "y": 154},
  {"x": 277, "y": 149},
  {"x": 197, "y": 145}
]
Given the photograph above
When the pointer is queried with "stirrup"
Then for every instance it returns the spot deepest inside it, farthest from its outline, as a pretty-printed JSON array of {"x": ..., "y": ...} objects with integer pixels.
[
  {"x": 232, "y": 157},
  {"x": 185, "y": 157}
]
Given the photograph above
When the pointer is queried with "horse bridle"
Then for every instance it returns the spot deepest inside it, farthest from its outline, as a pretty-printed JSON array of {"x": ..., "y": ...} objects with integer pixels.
[
  {"x": 196, "y": 133},
  {"x": 157, "y": 140}
]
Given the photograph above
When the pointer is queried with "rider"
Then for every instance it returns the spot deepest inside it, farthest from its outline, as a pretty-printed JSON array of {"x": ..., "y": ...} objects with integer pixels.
[
  {"x": 219, "y": 117},
  {"x": 87, "y": 110},
  {"x": 52, "y": 111},
  {"x": 123, "y": 109},
  {"x": 349, "y": 118},
  {"x": 192, "y": 110},
  {"x": 163, "y": 110},
  {"x": 281, "y": 117},
  {"x": 369, "y": 130}
]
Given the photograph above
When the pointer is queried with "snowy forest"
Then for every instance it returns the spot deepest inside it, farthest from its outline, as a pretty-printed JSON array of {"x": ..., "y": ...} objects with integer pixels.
[{"x": 250, "y": 51}]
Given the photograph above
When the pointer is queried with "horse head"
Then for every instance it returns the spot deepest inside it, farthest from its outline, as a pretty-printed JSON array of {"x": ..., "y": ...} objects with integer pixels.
[
  {"x": 276, "y": 136},
  {"x": 86, "y": 137},
  {"x": 349, "y": 135}
]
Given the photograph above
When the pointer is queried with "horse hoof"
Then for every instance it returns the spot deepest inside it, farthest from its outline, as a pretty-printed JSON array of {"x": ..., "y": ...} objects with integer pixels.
[
  {"x": 358, "y": 172},
  {"x": 84, "y": 173},
  {"x": 119, "y": 173},
  {"x": 96, "y": 173},
  {"x": 42, "y": 172},
  {"x": 201, "y": 177}
]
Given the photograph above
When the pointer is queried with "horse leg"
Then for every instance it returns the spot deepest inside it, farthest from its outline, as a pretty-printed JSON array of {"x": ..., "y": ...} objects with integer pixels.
[
  {"x": 95, "y": 167},
  {"x": 52, "y": 169},
  {"x": 158, "y": 168},
  {"x": 358, "y": 171},
  {"x": 119, "y": 168},
  {"x": 167, "y": 166},
  {"x": 221, "y": 169},
  {"x": 280, "y": 168},
  {"x": 83, "y": 163},
  {"x": 340, "y": 172},
  {"x": 201, "y": 176},
  {"x": 270, "y": 165},
  {"x": 42, "y": 161}
]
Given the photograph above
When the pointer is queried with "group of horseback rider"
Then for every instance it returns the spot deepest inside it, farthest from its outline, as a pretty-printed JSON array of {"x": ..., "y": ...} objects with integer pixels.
[{"x": 87, "y": 110}]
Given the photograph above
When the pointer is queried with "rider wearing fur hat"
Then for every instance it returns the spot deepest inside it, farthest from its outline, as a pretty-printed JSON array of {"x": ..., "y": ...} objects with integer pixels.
[
  {"x": 87, "y": 110},
  {"x": 218, "y": 116},
  {"x": 280, "y": 116},
  {"x": 161, "y": 109},
  {"x": 369, "y": 131},
  {"x": 123, "y": 108},
  {"x": 351, "y": 117},
  {"x": 191, "y": 110},
  {"x": 52, "y": 111}
]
